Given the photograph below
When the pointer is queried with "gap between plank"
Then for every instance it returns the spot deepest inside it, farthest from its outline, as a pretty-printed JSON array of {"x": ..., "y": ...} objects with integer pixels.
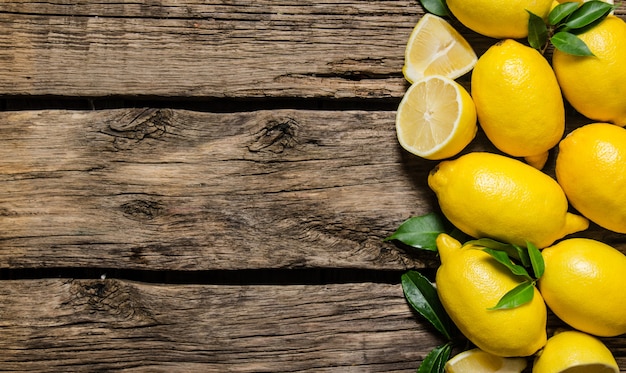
[
  {"x": 308, "y": 276},
  {"x": 206, "y": 104}
]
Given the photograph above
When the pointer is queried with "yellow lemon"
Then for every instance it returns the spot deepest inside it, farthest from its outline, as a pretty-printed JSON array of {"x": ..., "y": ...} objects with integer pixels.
[
  {"x": 497, "y": 19},
  {"x": 436, "y": 48},
  {"x": 518, "y": 101},
  {"x": 477, "y": 360},
  {"x": 572, "y": 351},
  {"x": 491, "y": 195},
  {"x": 469, "y": 282},
  {"x": 596, "y": 85},
  {"x": 583, "y": 284},
  {"x": 591, "y": 169},
  {"x": 436, "y": 118}
]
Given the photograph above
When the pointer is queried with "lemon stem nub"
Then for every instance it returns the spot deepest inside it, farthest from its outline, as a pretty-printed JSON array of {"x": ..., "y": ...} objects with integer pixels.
[
  {"x": 446, "y": 246},
  {"x": 537, "y": 161}
]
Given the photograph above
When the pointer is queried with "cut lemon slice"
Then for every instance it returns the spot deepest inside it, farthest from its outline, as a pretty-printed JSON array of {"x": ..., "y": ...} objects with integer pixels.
[
  {"x": 436, "y": 48},
  {"x": 436, "y": 118},
  {"x": 476, "y": 360},
  {"x": 575, "y": 352}
]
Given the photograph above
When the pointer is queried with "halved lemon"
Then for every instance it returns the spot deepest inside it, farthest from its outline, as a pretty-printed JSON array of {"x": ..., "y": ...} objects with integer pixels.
[
  {"x": 477, "y": 360},
  {"x": 572, "y": 351},
  {"x": 436, "y": 48},
  {"x": 436, "y": 118}
]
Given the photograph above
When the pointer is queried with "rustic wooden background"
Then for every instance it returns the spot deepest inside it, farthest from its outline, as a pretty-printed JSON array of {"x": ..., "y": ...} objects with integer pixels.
[{"x": 204, "y": 185}]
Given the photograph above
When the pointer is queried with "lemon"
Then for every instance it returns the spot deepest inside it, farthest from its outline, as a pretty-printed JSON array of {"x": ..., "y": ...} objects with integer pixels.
[
  {"x": 572, "y": 351},
  {"x": 477, "y": 360},
  {"x": 469, "y": 282},
  {"x": 495, "y": 196},
  {"x": 498, "y": 19},
  {"x": 518, "y": 101},
  {"x": 591, "y": 168},
  {"x": 583, "y": 284},
  {"x": 436, "y": 118},
  {"x": 596, "y": 86},
  {"x": 436, "y": 48}
]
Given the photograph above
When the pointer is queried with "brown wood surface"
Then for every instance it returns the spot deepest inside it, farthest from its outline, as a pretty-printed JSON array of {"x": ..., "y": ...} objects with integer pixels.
[
  {"x": 166, "y": 195},
  {"x": 68, "y": 325},
  {"x": 172, "y": 190},
  {"x": 165, "y": 189}
]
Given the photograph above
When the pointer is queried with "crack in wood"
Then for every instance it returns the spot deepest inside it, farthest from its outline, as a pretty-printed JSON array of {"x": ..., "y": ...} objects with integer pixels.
[
  {"x": 135, "y": 126},
  {"x": 276, "y": 136},
  {"x": 140, "y": 209}
]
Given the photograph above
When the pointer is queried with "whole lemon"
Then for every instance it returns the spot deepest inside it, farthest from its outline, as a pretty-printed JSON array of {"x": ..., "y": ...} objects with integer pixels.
[
  {"x": 596, "y": 85},
  {"x": 469, "y": 282},
  {"x": 497, "y": 18},
  {"x": 573, "y": 351},
  {"x": 518, "y": 101},
  {"x": 491, "y": 195},
  {"x": 591, "y": 169},
  {"x": 583, "y": 284}
]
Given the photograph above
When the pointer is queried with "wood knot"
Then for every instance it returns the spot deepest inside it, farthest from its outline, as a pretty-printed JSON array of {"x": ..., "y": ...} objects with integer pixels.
[
  {"x": 141, "y": 209},
  {"x": 276, "y": 136},
  {"x": 135, "y": 126},
  {"x": 112, "y": 300}
]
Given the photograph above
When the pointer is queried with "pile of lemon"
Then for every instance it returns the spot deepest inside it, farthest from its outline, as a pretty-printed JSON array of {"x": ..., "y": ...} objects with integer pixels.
[{"x": 517, "y": 97}]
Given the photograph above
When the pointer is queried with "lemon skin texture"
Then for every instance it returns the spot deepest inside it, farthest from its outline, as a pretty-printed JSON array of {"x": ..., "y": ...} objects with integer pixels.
[
  {"x": 518, "y": 101},
  {"x": 469, "y": 281},
  {"x": 495, "y": 196},
  {"x": 591, "y": 169},
  {"x": 596, "y": 86},
  {"x": 583, "y": 284},
  {"x": 497, "y": 18},
  {"x": 575, "y": 350}
]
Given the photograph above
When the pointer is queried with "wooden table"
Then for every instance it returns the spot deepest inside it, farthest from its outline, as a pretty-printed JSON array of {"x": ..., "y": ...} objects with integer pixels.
[{"x": 204, "y": 186}]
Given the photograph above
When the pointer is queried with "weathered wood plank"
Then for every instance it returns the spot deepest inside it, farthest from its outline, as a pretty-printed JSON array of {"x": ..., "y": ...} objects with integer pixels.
[
  {"x": 335, "y": 48},
  {"x": 181, "y": 190},
  {"x": 167, "y": 48},
  {"x": 112, "y": 325},
  {"x": 165, "y": 189}
]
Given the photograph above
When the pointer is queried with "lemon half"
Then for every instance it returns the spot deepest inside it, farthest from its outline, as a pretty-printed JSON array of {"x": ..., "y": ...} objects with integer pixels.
[
  {"x": 436, "y": 118},
  {"x": 436, "y": 48},
  {"x": 477, "y": 360}
]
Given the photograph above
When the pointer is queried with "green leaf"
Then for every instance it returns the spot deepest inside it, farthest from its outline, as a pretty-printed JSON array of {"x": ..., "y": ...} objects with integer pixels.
[
  {"x": 489, "y": 243},
  {"x": 570, "y": 43},
  {"x": 503, "y": 258},
  {"x": 561, "y": 11},
  {"x": 420, "y": 232},
  {"x": 537, "y": 31},
  {"x": 519, "y": 295},
  {"x": 521, "y": 254},
  {"x": 422, "y": 296},
  {"x": 436, "y": 359},
  {"x": 536, "y": 259},
  {"x": 513, "y": 251},
  {"x": 587, "y": 14},
  {"x": 436, "y": 7}
]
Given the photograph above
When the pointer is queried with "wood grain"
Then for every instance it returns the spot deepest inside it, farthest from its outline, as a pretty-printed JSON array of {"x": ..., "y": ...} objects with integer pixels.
[
  {"x": 170, "y": 48},
  {"x": 180, "y": 190},
  {"x": 164, "y": 189},
  {"x": 209, "y": 49},
  {"x": 114, "y": 325}
]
